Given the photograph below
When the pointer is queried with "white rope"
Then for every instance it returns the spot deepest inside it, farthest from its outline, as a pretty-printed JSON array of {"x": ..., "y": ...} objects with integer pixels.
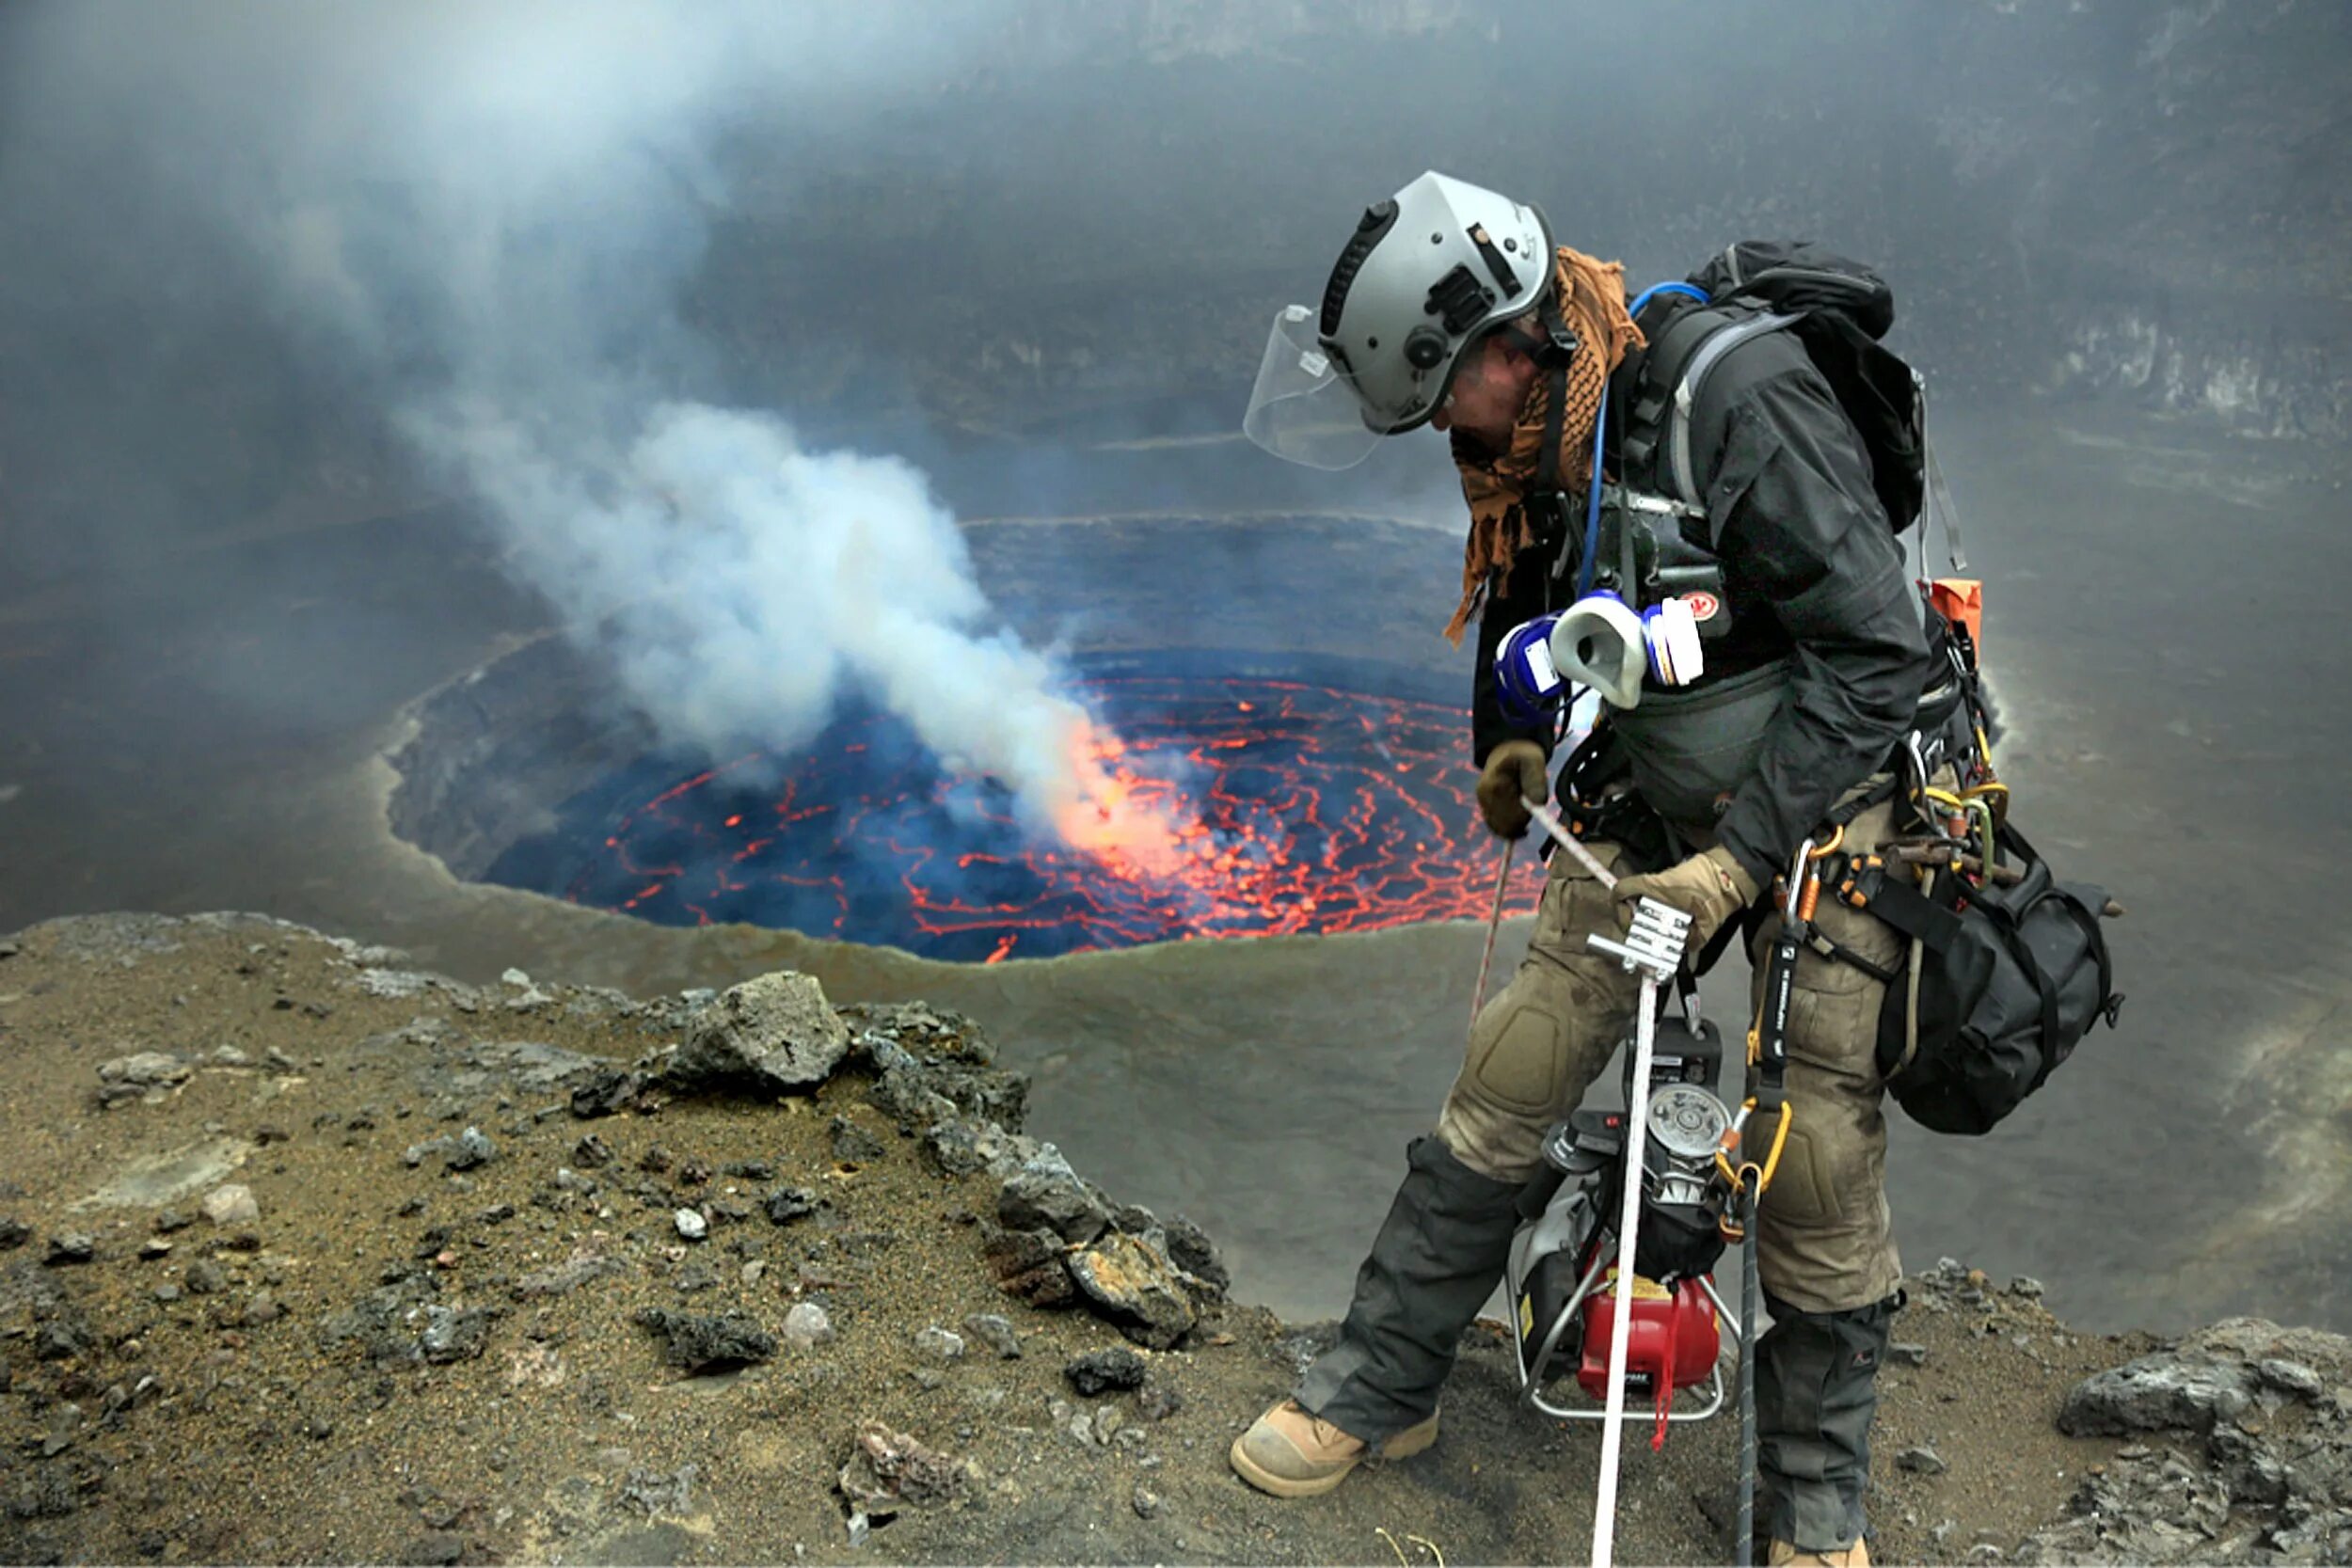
[
  {"x": 1494, "y": 924},
  {"x": 1621, "y": 1321}
]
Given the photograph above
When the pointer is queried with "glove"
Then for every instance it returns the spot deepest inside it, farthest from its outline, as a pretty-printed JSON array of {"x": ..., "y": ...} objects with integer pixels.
[
  {"x": 1710, "y": 888},
  {"x": 1514, "y": 770}
]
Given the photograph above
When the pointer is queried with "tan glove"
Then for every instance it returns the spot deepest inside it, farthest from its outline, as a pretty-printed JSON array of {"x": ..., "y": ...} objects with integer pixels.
[
  {"x": 1710, "y": 888},
  {"x": 1514, "y": 770}
]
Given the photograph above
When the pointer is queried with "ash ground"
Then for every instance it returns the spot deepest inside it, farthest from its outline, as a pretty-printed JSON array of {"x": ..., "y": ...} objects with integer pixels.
[{"x": 412, "y": 1356}]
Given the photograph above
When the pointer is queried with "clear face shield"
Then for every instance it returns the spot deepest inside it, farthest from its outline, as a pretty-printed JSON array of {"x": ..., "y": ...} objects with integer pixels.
[{"x": 1304, "y": 408}]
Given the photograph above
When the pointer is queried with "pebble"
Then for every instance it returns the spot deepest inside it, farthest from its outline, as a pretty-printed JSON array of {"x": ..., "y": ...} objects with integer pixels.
[
  {"x": 1903, "y": 1354},
  {"x": 592, "y": 1152},
  {"x": 1158, "y": 1402},
  {"x": 691, "y": 1226},
  {"x": 1106, "y": 1422},
  {"x": 205, "y": 1277},
  {"x": 232, "y": 1204},
  {"x": 14, "y": 1233},
  {"x": 997, "y": 1332},
  {"x": 1921, "y": 1460},
  {"x": 806, "y": 1325},
  {"x": 945, "y": 1345},
  {"x": 473, "y": 1148},
  {"x": 1146, "y": 1502},
  {"x": 71, "y": 1247}
]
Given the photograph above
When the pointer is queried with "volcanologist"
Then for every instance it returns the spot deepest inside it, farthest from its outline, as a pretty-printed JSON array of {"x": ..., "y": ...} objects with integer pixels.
[{"x": 1451, "y": 306}]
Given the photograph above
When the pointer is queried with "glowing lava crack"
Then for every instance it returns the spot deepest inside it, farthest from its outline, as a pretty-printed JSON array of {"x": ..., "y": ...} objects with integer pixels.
[{"x": 1227, "y": 808}]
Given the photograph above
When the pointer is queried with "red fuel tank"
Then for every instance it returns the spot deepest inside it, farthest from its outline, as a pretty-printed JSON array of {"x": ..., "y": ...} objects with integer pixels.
[{"x": 1672, "y": 1333}]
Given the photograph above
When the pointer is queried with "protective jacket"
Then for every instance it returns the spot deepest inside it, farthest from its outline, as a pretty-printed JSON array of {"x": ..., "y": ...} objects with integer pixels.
[{"x": 1815, "y": 577}]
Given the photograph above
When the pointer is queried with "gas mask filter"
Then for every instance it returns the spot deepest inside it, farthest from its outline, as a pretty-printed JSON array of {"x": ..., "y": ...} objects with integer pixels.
[{"x": 1600, "y": 643}]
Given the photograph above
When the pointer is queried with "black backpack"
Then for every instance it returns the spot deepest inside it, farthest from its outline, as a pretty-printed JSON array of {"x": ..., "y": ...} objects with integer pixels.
[
  {"x": 1999, "y": 984},
  {"x": 1837, "y": 309}
]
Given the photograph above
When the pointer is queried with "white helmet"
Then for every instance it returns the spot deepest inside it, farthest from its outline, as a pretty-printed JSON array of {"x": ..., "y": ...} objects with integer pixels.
[{"x": 1428, "y": 274}]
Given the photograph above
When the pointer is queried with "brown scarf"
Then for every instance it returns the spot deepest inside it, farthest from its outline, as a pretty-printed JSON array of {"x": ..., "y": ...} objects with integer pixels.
[{"x": 1591, "y": 302}]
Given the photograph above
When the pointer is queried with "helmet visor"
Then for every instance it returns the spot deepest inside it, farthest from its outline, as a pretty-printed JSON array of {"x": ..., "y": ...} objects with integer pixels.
[{"x": 1305, "y": 407}]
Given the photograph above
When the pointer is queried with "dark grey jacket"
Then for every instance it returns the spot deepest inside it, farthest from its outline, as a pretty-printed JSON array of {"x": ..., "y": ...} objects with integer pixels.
[{"x": 1812, "y": 574}]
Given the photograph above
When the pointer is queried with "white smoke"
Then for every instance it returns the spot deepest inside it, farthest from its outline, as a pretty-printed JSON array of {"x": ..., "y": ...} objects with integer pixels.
[{"x": 493, "y": 208}]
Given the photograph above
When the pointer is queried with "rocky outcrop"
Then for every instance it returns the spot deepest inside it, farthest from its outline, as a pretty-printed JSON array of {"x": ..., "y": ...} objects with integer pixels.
[{"x": 2242, "y": 1453}]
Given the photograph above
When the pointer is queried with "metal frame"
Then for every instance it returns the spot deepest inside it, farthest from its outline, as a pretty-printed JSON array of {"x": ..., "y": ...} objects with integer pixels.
[{"x": 1532, "y": 1379}]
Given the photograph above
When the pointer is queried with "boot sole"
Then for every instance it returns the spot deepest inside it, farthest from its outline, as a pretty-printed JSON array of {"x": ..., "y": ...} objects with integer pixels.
[{"x": 1406, "y": 1444}]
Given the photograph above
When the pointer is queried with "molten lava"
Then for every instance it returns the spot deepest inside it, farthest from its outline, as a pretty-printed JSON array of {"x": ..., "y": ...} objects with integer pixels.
[{"x": 1206, "y": 808}]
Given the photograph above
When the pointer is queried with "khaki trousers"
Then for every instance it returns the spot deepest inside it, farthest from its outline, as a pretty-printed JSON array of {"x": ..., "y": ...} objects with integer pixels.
[{"x": 1824, "y": 1241}]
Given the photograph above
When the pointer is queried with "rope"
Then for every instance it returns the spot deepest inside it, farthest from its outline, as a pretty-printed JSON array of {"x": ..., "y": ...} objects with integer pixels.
[
  {"x": 1621, "y": 1325},
  {"x": 1494, "y": 924}
]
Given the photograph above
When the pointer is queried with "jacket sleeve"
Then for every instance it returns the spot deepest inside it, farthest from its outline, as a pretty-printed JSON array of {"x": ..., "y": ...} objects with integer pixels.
[
  {"x": 1802, "y": 524},
  {"x": 1522, "y": 599}
]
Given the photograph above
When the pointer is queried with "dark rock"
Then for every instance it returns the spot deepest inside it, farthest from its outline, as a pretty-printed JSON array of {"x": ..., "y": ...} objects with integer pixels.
[
  {"x": 656, "y": 1161},
  {"x": 1028, "y": 1265},
  {"x": 1046, "y": 1194},
  {"x": 454, "y": 1334},
  {"x": 14, "y": 1233},
  {"x": 204, "y": 1277},
  {"x": 694, "y": 1174},
  {"x": 997, "y": 1332},
  {"x": 954, "y": 1148},
  {"x": 702, "y": 1342},
  {"x": 749, "y": 1170},
  {"x": 170, "y": 1220},
  {"x": 775, "y": 1033},
  {"x": 1190, "y": 1249},
  {"x": 74, "y": 1247},
  {"x": 1136, "y": 1288},
  {"x": 606, "y": 1092},
  {"x": 2155, "y": 1393},
  {"x": 63, "y": 1338},
  {"x": 787, "y": 1204},
  {"x": 470, "y": 1150},
  {"x": 852, "y": 1143},
  {"x": 1102, "y": 1371},
  {"x": 261, "y": 1311},
  {"x": 436, "y": 1549},
  {"x": 592, "y": 1153}
]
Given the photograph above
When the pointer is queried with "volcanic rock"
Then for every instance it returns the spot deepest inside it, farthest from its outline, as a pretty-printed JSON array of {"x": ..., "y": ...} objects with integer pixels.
[
  {"x": 14, "y": 1233},
  {"x": 1046, "y": 1194},
  {"x": 1135, "y": 1288},
  {"x": 72, "y": 1246},
  {"x": 607, "y": 1093},
  {"x": 704, "y": 1342},
  {"x": 997, "y": 1332},
  {"x": 592, "y": 1153},
  {"x": 1099, "y": 1371},
  {"x": 776, "y": 1032},
  {"x": 690, "y": 1225},
  {"x": 887, "y": 1469},
  {"x": 1027, "y": 1264},
  {"x": 471, "y": 1149},
  {"x": 452, "y": 1335},
  {"x": 147, "y": 1075},
  {"x": 787, "y": 1204}
]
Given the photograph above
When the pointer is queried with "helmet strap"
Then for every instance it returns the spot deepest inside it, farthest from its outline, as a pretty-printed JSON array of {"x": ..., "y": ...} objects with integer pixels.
[{"x": 1554, "y": 352}]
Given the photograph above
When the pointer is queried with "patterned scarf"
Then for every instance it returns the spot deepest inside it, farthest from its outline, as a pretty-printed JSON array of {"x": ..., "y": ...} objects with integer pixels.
[{"x": 1591, "y": 302}]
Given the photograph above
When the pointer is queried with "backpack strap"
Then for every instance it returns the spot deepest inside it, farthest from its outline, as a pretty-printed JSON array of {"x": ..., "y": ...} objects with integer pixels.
[{"x": 1679, "y": 470}]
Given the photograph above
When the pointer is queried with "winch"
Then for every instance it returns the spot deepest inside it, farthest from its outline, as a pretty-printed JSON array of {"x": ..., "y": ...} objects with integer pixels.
[{"x": 1563, "y": 1275}]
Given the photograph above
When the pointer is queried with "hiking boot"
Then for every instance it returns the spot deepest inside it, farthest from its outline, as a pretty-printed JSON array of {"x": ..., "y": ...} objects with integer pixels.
[
  {"x": 1290, "y": 1453},
  {"x": 1784, "y": 1555}
]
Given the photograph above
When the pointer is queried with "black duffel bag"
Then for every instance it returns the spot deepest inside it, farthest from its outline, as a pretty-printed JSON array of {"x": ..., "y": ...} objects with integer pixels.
[{"x": 2000, "y": 984}]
